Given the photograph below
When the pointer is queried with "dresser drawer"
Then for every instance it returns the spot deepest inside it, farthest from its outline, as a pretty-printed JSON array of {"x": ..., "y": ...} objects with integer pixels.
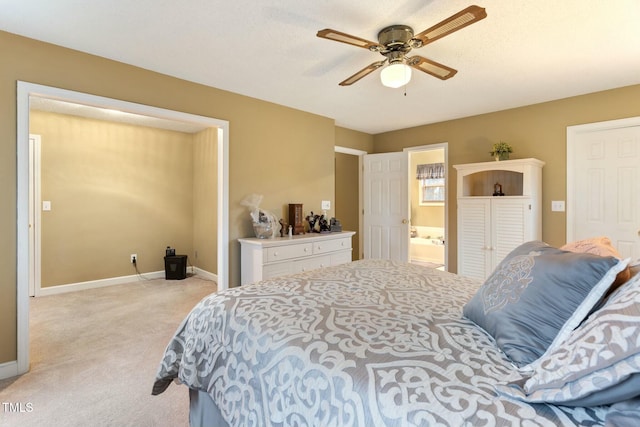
[
  {"x": 311, "y": 263},
  {"x": 331, "y": 245},
  {"x": 341, "y": 258},
  {"x": 268, "y": 258},
  {"x": 275, "y": 270},
  {"x": 280, "y": 253}
]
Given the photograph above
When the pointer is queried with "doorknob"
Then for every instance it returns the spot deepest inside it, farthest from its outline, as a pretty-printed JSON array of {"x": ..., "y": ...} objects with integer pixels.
[{"x": 404, "y": 221}]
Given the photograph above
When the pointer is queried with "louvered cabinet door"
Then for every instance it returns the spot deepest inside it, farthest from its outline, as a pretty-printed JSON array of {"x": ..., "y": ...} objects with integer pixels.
[
  {"x": 491, "y": 227},
  {"x": 474, "y": 235},
  {"x": 511, "y": 226}
]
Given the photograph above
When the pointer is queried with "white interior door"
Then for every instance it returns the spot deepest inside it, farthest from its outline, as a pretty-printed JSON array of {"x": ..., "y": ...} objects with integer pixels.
[
  {"x": 603, "y": 189},
  {"x": 386, "y": 206}
]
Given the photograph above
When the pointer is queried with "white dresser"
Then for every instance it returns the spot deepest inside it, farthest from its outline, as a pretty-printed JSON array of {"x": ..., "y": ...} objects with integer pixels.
[{"x": 267, "y": 258}]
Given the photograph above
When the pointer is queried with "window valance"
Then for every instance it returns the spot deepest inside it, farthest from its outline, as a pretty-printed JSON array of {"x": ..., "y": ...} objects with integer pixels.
[{"x": 430, "y": 171}]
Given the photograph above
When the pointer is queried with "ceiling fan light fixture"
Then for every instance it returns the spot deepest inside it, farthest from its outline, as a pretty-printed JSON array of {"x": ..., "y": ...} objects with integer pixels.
[{"x": 395, "y": 75}]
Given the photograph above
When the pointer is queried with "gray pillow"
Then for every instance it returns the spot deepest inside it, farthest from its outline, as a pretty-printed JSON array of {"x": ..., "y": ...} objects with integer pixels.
[
  {"x": 537, "y": 295},
  {"x": 599, "y": 364}
]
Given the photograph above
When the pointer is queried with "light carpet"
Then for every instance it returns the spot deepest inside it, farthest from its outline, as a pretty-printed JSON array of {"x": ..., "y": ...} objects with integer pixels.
[{"x": 95, "y": 353}]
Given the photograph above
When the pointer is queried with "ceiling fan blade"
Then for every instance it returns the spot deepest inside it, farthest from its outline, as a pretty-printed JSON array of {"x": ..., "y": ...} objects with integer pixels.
[
  {"x": 431, "y": 67},
  {"x": 362, "y": 73},
  {"x": 454, "y": 23},
  {"x": 347, "y": 38}
]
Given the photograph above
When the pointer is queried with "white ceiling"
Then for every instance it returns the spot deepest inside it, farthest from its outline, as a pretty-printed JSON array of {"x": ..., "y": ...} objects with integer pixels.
[{"x": 524, "y": 52}]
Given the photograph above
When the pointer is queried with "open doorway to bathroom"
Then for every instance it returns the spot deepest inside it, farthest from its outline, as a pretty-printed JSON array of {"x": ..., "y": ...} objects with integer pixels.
[{"x": 428, "y": 199}]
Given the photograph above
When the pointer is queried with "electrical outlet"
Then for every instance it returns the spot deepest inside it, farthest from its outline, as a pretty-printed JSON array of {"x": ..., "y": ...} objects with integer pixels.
[{"x": 134, "y": 258}]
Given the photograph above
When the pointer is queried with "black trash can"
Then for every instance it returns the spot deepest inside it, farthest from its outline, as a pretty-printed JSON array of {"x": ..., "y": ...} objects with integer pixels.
[{"x": 175, "y": 267}]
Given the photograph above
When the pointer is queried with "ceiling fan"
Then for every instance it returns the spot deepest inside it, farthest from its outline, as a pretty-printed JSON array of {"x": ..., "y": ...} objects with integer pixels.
[{"x": 396, "y": 41}]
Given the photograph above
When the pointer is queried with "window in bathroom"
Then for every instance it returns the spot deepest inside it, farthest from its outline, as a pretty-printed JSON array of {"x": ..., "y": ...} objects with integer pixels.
[{"x": 431, "y": 184}]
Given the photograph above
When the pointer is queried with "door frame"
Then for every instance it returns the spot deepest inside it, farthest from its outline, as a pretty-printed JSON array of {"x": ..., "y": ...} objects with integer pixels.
[
  {"x": 24, "y": 91},
  {"x": 35, "y": 215},
  {"x": 430, "y": 147},
  {"x": 573, "y": 139}
]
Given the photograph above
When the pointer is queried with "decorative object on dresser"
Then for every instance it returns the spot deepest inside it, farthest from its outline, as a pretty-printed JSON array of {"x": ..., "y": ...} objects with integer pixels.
[
  {"x": 265, "y": 224},
  {"x": 491, "y": 227},
  {"x": 283, "y": 227},
  {"x": 265, "y": 259},
  {"x": 318, "y": 223},
  {"x": 296, "y": 218}
]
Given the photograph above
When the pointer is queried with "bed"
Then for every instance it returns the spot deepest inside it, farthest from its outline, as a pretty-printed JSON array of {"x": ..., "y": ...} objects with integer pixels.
[{"x": 383, "y": 343}]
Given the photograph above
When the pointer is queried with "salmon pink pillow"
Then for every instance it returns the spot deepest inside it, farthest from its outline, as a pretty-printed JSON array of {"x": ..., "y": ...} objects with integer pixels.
[{"x": 600, "y": 246}]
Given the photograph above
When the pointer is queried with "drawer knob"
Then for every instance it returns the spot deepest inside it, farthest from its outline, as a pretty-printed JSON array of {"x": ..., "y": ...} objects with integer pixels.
[
  {"x": 305, "y": 249},
  {"x": 275, "y": 254}
]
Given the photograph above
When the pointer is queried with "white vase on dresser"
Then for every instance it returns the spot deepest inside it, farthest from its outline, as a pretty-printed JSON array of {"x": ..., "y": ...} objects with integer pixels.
[
  {"x": 268, "y": 258},
  {"x": 490, "y": 226}
]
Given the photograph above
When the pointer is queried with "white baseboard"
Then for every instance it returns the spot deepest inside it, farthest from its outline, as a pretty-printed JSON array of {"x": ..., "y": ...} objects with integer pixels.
[
  {"x": 205, "y": 274},
  {"x": 8, "y": 369},
  {"x": 93, "y": 284}
]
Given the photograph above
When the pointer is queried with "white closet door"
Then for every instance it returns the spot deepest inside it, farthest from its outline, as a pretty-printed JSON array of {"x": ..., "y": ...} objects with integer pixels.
[{"x": 604, "y": 189}]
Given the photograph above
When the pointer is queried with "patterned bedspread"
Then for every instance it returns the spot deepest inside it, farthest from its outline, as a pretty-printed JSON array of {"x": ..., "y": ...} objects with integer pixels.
[{"x": 370, "y": 343}]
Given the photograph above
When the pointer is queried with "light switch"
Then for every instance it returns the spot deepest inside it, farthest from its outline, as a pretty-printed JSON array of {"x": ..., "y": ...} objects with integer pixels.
[
  {"x": 557, "y": 205},
  {"x": 46, "y": 205},
  {"x": 326, "y": 205}
]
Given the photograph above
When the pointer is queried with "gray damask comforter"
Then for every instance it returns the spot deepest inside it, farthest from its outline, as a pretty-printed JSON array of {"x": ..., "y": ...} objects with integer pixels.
[{"x": 371, "y": 343}]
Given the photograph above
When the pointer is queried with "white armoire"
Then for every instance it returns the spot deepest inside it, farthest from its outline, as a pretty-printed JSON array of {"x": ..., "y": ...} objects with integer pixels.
[{"x": 499, "y": 208}]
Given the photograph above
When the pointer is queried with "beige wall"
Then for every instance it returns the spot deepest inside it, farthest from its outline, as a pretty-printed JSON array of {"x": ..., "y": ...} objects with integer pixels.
[
  {"x": 534, "y": 131},
  {"x": 354, "y": 139},
  {"x": 284, "y": 154},
  {"x": 347, "y": 208},
  {"x": 205, "y": 197},
  {"x": 115, "y": 190}
]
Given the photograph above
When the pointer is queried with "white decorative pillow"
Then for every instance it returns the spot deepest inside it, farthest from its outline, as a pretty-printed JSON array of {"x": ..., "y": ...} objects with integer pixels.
[{"x": 599, "y": 364}]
